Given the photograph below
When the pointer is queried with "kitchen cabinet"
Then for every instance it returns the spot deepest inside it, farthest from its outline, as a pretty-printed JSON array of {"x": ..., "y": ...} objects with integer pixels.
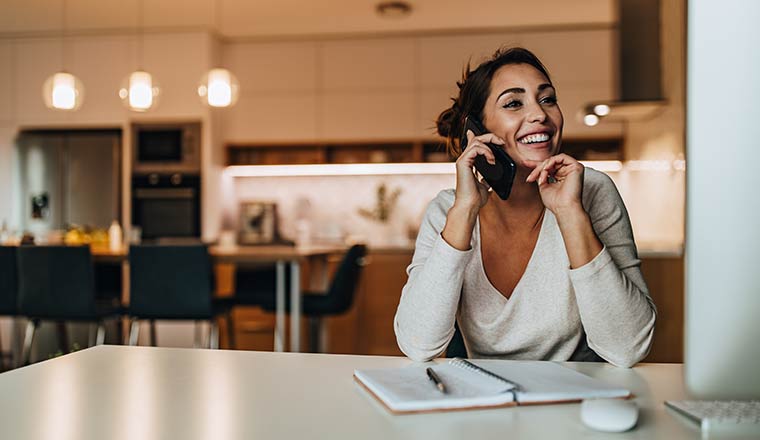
[
  {"x": 388, "y": 151},
  {"x": 665, "y": 279}
]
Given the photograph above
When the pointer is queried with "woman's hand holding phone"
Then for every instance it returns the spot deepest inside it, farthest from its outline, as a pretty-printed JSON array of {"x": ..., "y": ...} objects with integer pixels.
[{"x": 471, "y": 192}]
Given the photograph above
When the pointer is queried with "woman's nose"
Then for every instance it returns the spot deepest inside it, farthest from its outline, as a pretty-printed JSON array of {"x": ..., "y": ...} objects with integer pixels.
[{"x": 536, "y": 113}]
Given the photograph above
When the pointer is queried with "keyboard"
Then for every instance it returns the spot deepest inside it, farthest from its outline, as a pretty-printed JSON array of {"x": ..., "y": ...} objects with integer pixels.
[{"x": 721, "y": 416}]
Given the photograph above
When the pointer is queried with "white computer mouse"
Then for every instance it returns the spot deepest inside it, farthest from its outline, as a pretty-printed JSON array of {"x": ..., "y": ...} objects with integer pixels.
[{"x": 610, "y": 415}]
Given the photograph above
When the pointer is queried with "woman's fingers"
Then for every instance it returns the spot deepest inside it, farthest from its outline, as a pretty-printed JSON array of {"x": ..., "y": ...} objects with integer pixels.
[
  {"x": 477, "y": 147},
  {"x": 557, "y": 166}
]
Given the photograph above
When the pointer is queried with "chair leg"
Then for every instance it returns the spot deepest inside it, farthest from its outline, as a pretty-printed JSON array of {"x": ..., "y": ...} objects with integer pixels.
[
  {"x": 196, "y": 335},
  {"x": 134, "y": 332},
  {"x": 213, "y": 337},
  {"x": 63, "y": 337},
  {"x": 100, "y": 338},
  {"x": 153, "y": 334},
  {"x": 230, "y": 330},
  {"x": 315, "y": 330},
  {"x": 26, "y": 352},
  {"x": 90, "y": 336}
]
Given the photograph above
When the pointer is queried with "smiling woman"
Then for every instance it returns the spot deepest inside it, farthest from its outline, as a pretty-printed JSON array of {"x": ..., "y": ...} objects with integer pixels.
[{"x": 550, "y": 273}]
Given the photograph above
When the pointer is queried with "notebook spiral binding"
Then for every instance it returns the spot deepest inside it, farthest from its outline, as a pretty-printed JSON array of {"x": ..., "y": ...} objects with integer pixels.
[{"x": 467, "y": 365}]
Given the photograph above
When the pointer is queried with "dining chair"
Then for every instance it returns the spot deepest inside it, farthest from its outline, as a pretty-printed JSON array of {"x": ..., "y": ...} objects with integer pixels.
[
  {"x": 172, "y": 282},
  {"x": 57, "y": 283},
  {"x": 336, "y": 300},
  {"x": 8, "y": 290}
]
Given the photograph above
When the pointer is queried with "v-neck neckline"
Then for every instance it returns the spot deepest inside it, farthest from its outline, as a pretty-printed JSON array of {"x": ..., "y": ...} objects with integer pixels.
[{"x": 527, "y": 266}]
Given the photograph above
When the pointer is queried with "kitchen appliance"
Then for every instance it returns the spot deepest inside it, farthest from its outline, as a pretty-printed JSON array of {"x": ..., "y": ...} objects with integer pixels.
[
  {"x": 167, "y": 205},
  {"x": 68, "y": 177},
  {"x": 166, "y": 148}
]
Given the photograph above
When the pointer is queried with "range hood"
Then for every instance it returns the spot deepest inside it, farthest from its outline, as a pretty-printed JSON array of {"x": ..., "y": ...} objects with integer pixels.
[{"x": 639, "y": 64}]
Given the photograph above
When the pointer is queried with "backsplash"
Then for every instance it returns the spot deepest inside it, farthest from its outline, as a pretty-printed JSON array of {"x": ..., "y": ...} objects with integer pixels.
[{"x": 331, "y": 205}]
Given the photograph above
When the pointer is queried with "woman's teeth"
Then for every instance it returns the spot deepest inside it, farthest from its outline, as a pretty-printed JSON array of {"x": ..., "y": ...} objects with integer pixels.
[{"x": 534, "y": 138}]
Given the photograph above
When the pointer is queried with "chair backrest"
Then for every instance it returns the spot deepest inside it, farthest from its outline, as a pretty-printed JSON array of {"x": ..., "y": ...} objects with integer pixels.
[
  {"x": 170, "y": 282},
  {"x": 56, "y": 282},
  {"x": 341, "y": 294},
  {"x": 8, "y": 280}
]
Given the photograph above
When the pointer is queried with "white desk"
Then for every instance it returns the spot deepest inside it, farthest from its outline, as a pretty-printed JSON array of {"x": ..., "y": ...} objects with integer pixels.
[{"x": 145, "y": 393}]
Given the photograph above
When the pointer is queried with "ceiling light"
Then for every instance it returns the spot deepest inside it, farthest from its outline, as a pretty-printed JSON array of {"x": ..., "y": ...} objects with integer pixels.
[
  {"x": 601, "y": 109},
  {"x": 139, "y": 91},
  {"x": 218, "y": 87},
  {"x": 62, "y": 90},
  {"x": 591, "y": 119},
  {"x": 393, "y": 9}
]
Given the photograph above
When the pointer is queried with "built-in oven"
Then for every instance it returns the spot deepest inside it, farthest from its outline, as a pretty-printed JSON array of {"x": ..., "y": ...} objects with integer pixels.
[
  {"x": 166, "y": 148},
  {"x": 167, "y": 206}
]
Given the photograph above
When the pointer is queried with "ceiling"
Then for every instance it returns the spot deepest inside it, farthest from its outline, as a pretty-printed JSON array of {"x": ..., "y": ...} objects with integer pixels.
[{"x": 252, "y": 19}]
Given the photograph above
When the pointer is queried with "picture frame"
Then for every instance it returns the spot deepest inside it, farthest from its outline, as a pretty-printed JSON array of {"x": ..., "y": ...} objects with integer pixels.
[{"x": 258, "y": 222}]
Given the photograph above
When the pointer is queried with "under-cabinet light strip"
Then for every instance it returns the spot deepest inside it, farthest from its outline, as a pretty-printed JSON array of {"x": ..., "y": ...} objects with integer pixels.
[{"x": 370, "y": 169}]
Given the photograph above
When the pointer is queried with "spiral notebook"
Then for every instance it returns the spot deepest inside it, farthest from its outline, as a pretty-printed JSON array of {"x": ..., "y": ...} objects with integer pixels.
[{"x": 481, "y": 384}]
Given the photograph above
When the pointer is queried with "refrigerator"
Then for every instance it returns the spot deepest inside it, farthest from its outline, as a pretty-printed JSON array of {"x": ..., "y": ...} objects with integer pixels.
[{"x": 68, "y": 177}]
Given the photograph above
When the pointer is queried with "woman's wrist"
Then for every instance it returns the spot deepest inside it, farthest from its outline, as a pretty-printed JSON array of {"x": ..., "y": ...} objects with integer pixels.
[
  {"x": 572, "y": 213},
  {"x": 460, "y": 222},
  {"x": 581, "y": 242}
]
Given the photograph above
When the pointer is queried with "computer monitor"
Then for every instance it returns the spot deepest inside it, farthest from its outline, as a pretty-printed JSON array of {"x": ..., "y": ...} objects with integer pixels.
[{"x": 723, "y": 199}]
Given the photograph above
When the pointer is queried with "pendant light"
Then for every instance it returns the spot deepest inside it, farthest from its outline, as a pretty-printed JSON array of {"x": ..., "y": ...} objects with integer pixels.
[
  {"x": 139, "y": 91},
  {"x": 218, "y": 87},
  {"x": 62, "y": 90}
]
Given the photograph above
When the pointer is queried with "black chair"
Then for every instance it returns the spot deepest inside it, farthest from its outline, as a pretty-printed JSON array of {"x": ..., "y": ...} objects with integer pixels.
[
  {"x": 338, "y": 298},
  {"x": 171, "y": 283},
  {"x": 57, "y": 283},
  {"x": 8, "y": 288},
  {"x": 456, "y": 347}
]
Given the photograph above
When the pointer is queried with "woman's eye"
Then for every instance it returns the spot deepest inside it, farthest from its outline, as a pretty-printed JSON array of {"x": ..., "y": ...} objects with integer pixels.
[
  {"x": 512, "y": 104},
  {"x": 549, "y": 100}
]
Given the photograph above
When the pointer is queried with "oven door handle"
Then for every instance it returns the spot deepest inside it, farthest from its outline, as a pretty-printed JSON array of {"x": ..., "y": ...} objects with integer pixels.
[{"x": 165, "y": 193}]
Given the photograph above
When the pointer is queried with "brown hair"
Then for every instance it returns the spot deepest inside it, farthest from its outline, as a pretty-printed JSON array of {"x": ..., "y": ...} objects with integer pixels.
[{"x": 474, "y": 89}]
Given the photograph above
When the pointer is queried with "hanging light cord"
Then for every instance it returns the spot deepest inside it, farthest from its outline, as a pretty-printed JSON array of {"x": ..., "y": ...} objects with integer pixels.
[
  {"x": 141, "y": 36},
  {"x": 63, "y": 35}
]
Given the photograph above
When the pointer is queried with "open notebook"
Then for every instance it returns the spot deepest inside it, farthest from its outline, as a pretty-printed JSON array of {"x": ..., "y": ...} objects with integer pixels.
[{"x": 481, "y": 384}]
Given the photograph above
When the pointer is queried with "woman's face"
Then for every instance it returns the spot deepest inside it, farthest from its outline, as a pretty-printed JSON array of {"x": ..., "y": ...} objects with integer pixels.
[{"x": 522, "y": 109}]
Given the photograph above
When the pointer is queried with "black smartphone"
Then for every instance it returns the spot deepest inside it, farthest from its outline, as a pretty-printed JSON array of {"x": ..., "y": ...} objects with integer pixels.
[{"x": 500, "y": 175}]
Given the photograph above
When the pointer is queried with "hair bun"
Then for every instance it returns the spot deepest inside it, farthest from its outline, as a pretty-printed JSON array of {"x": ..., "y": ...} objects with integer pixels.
[{"x": 448, "y": 121}]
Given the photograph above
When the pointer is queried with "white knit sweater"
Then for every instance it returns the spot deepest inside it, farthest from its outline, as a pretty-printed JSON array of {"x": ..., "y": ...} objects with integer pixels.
[{"x": 554, "y": 313}]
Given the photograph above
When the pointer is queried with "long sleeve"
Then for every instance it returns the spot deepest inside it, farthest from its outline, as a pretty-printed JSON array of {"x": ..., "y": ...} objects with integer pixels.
[
  {"x": 617, "y": 313},
  {"x": 424, "y": 321}
]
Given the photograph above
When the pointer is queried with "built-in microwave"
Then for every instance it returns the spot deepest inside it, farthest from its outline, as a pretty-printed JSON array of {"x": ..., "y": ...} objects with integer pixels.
[{"x": 166, "y": 148}]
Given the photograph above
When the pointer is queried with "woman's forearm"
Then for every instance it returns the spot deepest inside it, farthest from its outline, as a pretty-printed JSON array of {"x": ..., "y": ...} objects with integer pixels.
[
  {"x": 460, "y": 221},
  {"x": 581, "y": 242}
]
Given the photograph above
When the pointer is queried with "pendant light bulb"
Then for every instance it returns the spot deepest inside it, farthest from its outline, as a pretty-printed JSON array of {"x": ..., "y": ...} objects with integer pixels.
[
  {"x": 63, "y": 91},
  {"x": 219, "y": 88},
  {"x": 139, "y": 91}
]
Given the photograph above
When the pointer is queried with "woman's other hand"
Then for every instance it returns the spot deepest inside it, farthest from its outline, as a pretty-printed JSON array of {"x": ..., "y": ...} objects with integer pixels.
[
  {"x": 470, "y": 192},
  {"x": 560, "y": 183}
]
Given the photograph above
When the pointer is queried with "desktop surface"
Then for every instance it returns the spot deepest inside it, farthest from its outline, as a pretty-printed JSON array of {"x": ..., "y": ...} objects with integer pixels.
[{"x": 125, "y": 393}]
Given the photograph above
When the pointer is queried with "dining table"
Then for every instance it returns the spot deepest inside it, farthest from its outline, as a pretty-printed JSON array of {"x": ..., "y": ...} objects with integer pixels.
[{"x": 284, "y": 257}]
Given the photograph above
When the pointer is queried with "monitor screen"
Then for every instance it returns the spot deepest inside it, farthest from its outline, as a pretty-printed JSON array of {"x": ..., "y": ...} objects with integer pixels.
[{"x": 723, "y": 200}]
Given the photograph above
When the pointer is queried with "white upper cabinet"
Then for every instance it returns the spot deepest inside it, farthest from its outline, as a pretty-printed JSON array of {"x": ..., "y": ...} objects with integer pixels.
[{"x": 6, "y": 84}]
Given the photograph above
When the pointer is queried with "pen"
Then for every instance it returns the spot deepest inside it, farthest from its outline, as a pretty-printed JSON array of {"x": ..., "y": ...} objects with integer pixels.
[{"x": 436, "y": 380}]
